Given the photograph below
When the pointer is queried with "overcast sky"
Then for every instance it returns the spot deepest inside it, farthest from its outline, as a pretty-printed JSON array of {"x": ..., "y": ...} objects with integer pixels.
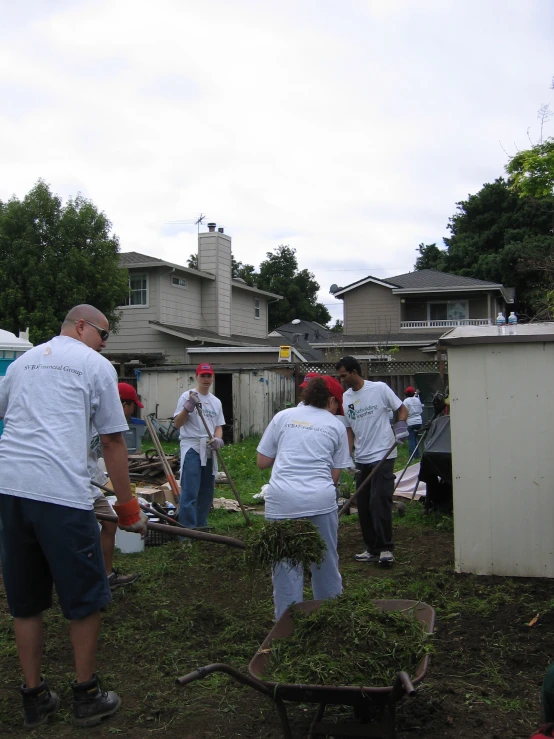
[{"x": 348, "y": 129}]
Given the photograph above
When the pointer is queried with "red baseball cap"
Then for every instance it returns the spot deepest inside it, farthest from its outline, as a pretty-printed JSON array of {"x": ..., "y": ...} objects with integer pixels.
[
  {"x": 409, "y": 390},
  {"x": 309, "y": 376},
  {"x": 128, "y": 392},
  {"x": 205, "y": 369},
  {"x": 335, "y": 388}
]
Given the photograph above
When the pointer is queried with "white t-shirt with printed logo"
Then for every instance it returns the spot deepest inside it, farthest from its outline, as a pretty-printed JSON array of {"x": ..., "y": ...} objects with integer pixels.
[
  {"x": 193, "y": 429},
  {"x": 306, "y": 443},
  {"x": 51, "y": 399},
  {"x": 367, "y": 414}
]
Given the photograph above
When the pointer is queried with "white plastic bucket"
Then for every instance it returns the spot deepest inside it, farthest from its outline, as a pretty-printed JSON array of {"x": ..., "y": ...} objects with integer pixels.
[{"x": 128, "y": 543}]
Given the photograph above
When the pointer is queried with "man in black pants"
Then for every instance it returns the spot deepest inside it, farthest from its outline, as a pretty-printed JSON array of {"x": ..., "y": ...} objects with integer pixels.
[{"x": 366, "y": 409}]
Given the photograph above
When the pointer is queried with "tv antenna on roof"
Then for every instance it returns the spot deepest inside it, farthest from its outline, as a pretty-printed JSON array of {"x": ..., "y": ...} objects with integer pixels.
[{"x": 201, "y": 217}]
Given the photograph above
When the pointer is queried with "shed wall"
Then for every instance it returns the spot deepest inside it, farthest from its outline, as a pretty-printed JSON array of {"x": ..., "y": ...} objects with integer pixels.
[{"x": 503, "y": 466}]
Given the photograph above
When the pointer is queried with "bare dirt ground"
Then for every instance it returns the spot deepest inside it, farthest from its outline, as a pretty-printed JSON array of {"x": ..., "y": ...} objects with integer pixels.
[{"x": 194, "y": 608}]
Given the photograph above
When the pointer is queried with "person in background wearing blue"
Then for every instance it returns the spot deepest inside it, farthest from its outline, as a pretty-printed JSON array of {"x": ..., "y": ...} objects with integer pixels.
[
  {"x": 307, "y": 447},
  {"x": 415, "y": 419}
]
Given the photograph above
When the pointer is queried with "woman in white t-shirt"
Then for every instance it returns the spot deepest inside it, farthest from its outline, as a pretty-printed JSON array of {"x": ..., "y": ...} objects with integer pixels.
[
  {"x": 414, "y": 420},
  {"x": 307, "y": 447}
]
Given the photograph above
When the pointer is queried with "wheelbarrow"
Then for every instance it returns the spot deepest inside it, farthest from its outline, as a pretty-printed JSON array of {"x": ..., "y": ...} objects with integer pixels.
[{"x": 373, "y": 707}]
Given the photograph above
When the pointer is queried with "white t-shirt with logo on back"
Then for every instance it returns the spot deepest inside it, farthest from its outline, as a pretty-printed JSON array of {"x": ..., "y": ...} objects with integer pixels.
[
  {"x": 367, "y": 414},
  {"x": 51, "y": 398},
  {"x": 306, "y": 443},
  {"x": 415, "y": 410}
]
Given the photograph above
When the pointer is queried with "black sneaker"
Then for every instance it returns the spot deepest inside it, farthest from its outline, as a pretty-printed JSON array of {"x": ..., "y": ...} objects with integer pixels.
[
  {"x": 91, "y": 704},
  {"x": 117, "y": 580},
  {"x": 38, "y": 704}
]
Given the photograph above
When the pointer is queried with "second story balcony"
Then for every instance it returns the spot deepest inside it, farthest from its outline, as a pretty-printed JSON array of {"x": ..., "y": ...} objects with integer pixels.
[{"x": 446, "y": 323}]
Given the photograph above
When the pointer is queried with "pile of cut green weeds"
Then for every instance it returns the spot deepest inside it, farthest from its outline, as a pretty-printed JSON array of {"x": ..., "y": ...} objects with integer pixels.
[
  {"x": 348, "y": 640},
  {"x": 296, "y": 540}
]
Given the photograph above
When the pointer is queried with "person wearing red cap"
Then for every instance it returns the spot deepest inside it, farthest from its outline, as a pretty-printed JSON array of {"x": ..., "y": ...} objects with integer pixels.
[
  {"x": 415, "y": 419},
  {"x": 108, "y": 530},
  {"x": 307, "y": 447},
  {"x": 198, "y": 451}
]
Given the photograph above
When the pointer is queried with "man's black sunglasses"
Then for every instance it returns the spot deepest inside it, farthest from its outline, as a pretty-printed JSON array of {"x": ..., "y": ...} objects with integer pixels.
[{"x": 104, "y": 335}]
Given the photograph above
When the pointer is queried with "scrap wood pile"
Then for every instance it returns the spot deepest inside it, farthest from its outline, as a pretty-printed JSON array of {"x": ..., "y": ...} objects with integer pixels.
[
  {"x": 148, "y": 467},
  {"x": 348, "y": 640}
]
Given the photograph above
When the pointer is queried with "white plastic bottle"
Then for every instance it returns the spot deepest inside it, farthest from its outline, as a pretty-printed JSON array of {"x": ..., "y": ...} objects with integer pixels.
[
  {"x": 512, "y": 323},
  {"x": 501, "y": 323}
]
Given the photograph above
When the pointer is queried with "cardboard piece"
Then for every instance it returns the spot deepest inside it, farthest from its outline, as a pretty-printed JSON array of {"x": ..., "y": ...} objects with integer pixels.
[{"x": 152, "y": 495}]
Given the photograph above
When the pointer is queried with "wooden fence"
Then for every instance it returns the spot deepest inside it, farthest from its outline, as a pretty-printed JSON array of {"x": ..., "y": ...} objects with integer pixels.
[{"x": 398, "y": 375}]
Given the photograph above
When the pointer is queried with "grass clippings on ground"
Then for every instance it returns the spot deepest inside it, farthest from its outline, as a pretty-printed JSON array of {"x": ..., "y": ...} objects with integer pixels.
[{"x": 349, "y": 640}]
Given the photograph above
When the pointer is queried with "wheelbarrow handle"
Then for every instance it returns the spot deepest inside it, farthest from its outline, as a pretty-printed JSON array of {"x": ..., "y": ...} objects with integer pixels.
[
  {"x": 402, "y": 684},
  {"x": 252, "y": 682},
  {"x": 203, "y": 672}
]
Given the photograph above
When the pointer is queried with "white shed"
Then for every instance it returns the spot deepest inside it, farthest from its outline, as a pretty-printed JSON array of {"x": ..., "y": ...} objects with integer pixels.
[{"x": 502, "y": 422}]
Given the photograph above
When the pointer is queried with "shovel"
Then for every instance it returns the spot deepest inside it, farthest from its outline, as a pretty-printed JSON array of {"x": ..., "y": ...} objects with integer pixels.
[{"x": 224, "y": 466}]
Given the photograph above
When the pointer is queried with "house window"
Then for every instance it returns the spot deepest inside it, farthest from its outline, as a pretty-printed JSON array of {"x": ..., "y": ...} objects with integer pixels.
[
  {"x": 256, "y": 307},
  {"x": 138, "y": 290},
  {"x": 451, "y": 310},
  {"x": 178, "y": 282}
]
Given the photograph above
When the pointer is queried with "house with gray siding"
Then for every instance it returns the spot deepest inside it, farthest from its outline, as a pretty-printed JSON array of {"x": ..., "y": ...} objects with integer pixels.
[
  {"x": 410, "y": 312},
  {"x": 178, "y": 315}
]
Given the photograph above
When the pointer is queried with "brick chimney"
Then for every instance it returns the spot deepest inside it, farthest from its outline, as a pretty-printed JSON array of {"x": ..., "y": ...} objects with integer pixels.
[{"x": 214, "y": 255}]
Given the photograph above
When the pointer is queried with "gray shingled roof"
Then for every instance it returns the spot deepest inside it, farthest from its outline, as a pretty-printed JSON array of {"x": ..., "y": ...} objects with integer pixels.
[
  {"x": 315, "y": 331},
  {"x": 430, "y": 278},
  {"x": 425, "y": 279},
  {"x": 239, "y": 340},
  {"x": 133, "y": 257}
]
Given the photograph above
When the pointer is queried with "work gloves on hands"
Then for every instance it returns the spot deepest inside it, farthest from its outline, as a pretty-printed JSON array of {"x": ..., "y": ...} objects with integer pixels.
[
  {"x": 401, "y": 431},
  {"x": 191, "y": 402},
  {"x": 215, "y": 443},
  {"x": 130, "y": 517}
]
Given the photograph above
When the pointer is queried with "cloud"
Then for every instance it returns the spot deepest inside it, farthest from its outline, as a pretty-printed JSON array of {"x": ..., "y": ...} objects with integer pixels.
[{"x": 349, "y": 131}]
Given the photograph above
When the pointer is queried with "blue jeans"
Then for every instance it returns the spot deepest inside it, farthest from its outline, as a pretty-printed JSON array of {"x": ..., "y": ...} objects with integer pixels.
[
  {"x": 412, "y": 440},
  {"x": 197, "y": 491},
  {"x": 288, "y": 582}
]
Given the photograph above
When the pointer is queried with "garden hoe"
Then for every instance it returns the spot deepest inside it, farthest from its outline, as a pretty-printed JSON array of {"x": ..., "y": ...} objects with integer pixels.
[{"x": 363, "y": 484}]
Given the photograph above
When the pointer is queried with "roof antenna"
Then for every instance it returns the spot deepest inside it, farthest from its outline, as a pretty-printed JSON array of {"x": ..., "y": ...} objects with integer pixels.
[{"x": 201, "y": 217}]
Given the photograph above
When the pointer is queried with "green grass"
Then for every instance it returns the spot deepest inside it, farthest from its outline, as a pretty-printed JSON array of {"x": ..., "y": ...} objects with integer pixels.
[{"x": 197, "y": 606}]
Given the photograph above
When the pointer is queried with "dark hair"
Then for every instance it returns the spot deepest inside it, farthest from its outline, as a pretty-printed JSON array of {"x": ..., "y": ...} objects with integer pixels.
[
  {"x": 316, "y": 393},
  {"x": 349, "y": 364}
]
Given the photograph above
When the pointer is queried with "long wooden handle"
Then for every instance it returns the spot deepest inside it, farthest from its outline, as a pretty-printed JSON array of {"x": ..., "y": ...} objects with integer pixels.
[
  {"x": 165, "y": 464},
  {"x": 180, "y": 531},
  {"x": 229, "y": 478},
  {"x": 368, "y": 478}
]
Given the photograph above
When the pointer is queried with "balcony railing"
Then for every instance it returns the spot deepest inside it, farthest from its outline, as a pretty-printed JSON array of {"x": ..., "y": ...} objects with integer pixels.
[{"x": 447, "y": 323}]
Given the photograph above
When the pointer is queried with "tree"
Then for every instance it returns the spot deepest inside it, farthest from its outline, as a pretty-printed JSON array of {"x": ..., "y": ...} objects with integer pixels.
[
  {"x": 532, "y": 175},
  {"x": 338, "y": 328},
  {"x": 279, "y": 274},
  {"x": 53, "y": 257},
  {"x": 498, "y": 236},
  {"x": 430, "y": 257}
]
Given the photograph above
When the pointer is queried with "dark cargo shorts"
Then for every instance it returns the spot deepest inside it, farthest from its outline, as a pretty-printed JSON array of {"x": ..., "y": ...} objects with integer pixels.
[{"x": 43, "y": 544}]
